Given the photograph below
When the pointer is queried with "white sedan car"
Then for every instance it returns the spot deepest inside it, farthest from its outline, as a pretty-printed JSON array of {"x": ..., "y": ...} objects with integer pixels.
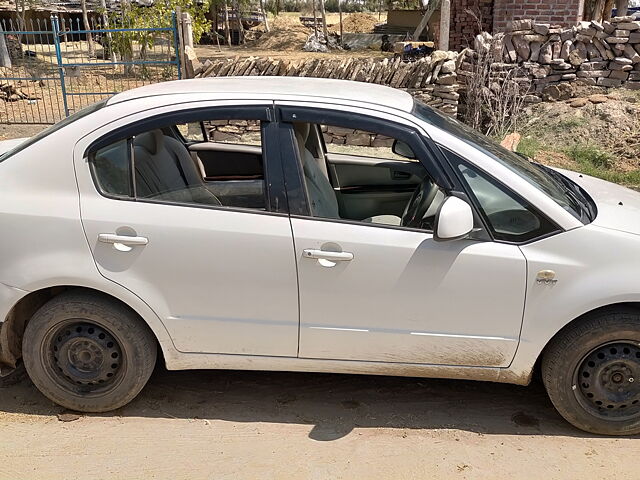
[{"x": 310, "y": 225}]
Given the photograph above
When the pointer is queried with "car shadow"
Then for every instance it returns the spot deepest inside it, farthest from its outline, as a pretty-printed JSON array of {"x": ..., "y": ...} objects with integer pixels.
[{"x": 333, "y": 404}]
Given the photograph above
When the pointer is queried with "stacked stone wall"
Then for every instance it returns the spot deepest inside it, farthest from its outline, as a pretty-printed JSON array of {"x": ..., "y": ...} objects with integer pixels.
[
  {"x": 550, "y": 59},
  {"x": 432, "y": 79}
]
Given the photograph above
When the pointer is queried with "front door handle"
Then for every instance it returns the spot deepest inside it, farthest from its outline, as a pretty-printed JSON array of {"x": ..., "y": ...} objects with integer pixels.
[
  {"x": 124, "y": 243},
  {"x": 325, "y": 255}
]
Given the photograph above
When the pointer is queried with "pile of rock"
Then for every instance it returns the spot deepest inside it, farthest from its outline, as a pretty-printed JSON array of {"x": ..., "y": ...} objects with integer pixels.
[
  {"x": 605, "y": 54},
  {"x": 433, "y": 79},
  {"x": 349, "y": 136},
  {"x": 233, "y": 130}
]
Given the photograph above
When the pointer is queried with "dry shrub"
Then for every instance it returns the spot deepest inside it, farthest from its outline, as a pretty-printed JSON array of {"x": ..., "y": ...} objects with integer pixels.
[{"x": 495, "y": 91}]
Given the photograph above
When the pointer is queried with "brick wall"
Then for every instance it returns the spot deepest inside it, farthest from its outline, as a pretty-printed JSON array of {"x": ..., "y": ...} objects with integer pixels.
[
  {"x": 464, "y": 24},
  {"x": 557, "y": 12}
]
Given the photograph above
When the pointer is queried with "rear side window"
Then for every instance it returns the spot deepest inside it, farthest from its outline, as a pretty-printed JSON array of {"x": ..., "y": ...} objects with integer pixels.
[
  {"x": 160, "y": 165},
  {"x": 112, "y": 169}
]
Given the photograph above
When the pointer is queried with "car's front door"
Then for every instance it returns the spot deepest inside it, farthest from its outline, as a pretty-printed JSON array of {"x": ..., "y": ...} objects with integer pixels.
[
  {"x": 221, "y": 278},
  {"x": 371, "y": 290}
]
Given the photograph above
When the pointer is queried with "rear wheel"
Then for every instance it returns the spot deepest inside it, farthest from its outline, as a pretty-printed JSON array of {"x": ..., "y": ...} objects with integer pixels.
[
  {"x": 592, "y": 373},
  {"x": 88, "y": 352},
  {"x": 11, "y": 376}
]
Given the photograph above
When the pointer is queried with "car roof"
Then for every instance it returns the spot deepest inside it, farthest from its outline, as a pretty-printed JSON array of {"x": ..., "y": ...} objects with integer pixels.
[{"x": 278, "y": 88}]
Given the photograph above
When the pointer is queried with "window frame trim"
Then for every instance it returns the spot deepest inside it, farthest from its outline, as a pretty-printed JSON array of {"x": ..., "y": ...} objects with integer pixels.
[
  {"x": 275, "y": 195},
  {"x": 428, "y": 149}
]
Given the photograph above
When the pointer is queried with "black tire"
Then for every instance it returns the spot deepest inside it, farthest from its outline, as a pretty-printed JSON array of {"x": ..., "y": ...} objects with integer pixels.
[
  {"x": 13, "y": 376},
  {"x": 87, "y": 352},
  {"x": 592, "y": 373}
]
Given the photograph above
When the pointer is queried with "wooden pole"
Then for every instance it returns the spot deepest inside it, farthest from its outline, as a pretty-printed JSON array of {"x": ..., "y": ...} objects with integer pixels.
[
  {"x": 5, "y": 59},
  {"x": 183, "y": 66},
  {"x": 105, "y": 24},
  {"x": 340, "y": 12},
  {"x": 622, "y": 8},
  {"x": 324, "y": 22},
  {"x": 431, "y": 7},
  {"x": 445, "y": 23},
  {"x": 264, "y": 15},
  {"x": 598, "y": 11},
  {"x": 608, "y": 9},
  {"x": 315, "y": 22},
  {"x": 187, "y": 29},
  {"x": 239, "y": 23},
  {"x": 87, "y": 26},
  {"x": 227, "y": 28}
]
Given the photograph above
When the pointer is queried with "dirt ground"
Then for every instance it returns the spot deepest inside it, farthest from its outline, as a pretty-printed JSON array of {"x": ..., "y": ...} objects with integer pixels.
[
  {"x": 8, "y": 132},
  {"x": 288, "y": 36},
  {"x": 219, "y": 425}
]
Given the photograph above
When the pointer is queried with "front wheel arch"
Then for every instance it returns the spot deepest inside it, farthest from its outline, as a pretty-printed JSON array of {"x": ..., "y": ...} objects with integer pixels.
[
  {"x": 527, "y": 366},
  {"x": 611, "y": 308}
]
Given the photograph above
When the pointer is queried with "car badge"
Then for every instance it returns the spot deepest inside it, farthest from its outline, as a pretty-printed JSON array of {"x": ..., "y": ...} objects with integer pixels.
[{"x": 547, "y": 277}]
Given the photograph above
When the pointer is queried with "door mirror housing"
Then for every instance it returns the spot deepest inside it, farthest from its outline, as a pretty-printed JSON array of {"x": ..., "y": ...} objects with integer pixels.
[
  {"x": 454, "y": 220},
  {"x": 401, "y": 148}
]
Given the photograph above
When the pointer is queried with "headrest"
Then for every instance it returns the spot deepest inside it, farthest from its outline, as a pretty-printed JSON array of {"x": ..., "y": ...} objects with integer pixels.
[
  {"x": 151, "y": 141},
  {"x": 302, "y": 131}
]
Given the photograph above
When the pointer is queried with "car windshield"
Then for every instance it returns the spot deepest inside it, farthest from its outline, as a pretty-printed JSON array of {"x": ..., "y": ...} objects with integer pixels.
[
  {"x": 568, "y": 195},
  {"x": 53, "y": 128}
]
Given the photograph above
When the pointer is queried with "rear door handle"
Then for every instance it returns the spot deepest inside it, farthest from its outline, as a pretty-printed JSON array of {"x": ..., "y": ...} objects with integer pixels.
[
  {"x": 331, "y": 256},
  {"x": 124, "y": 243}
]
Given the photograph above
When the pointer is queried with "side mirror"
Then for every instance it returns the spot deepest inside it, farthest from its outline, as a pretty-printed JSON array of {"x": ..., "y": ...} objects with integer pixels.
[
  {"x": 402, "y": 149},
  {"x": 454, "y": 220}
]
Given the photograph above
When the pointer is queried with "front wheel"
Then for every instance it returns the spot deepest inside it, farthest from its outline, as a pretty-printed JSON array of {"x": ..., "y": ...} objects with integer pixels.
[
  {"x": 592, "y": 373},
  {"x": 88, "y": 352}
]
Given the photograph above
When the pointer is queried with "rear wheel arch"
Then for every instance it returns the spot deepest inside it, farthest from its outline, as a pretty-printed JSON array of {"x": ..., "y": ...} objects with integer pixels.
[{"x": 15, "y": 323}]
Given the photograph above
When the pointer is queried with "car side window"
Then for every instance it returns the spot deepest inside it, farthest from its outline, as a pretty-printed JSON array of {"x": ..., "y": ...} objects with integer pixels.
[
  {"x": 361, "y": 143},
  {"x": 158, "y": 165},
  {"x": 367, "y": 184},
  {"x": 191, "y": 132},
  {"x": 510, "y": 217},
  {"x": 235, "y": 132},
  {"x": 112, "y": 169}
]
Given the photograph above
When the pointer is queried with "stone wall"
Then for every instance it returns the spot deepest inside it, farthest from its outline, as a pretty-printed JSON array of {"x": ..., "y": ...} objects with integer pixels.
[
  {"x": 247, "y": 132},
  {"x": 432, "y": 79},
  {"x": 549, "y": 58},
  {"x": 560, "y": 12}
]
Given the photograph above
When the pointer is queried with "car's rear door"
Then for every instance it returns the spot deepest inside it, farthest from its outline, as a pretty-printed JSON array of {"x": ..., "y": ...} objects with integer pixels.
[{"x": 221, "y": 278}]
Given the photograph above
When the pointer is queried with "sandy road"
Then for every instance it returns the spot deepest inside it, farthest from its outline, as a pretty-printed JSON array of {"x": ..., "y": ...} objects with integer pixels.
[{"x": 230, "y": 425}]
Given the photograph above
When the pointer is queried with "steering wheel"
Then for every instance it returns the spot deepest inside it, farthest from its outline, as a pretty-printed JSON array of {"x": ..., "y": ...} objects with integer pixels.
[{"x": 419, "y": 204}]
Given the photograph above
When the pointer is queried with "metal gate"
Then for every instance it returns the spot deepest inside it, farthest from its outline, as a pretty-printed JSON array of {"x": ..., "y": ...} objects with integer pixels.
[{"x": 55, "y": 71}]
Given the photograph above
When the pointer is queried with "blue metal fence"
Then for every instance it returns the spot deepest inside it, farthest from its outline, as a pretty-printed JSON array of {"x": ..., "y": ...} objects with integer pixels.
[{"x": 57, "y": 66}]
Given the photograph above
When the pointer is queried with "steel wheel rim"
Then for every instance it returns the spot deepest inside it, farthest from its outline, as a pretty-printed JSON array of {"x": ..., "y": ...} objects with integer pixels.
[
  {"x": 606, "y": 381},
  {"x": 84, "y": 358}
]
